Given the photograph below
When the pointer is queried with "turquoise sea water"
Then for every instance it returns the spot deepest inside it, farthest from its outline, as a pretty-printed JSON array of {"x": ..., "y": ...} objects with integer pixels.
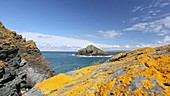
[{"x": 63, "y": 62}]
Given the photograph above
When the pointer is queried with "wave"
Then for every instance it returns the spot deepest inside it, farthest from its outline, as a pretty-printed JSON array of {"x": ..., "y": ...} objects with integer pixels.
[
  {"x": 90, "y": 56},
  {"x": 73, "y": 55}
]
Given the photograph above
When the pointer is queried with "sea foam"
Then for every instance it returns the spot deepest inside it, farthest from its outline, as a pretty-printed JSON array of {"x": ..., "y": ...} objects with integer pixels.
[{"x": 91, "y": 56}]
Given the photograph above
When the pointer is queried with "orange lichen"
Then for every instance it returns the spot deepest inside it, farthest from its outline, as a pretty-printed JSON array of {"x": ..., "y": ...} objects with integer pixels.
[
  {"x": 85, "y": 70},
  {"x": 118, "y": 56},
  {"x": 53, "y": 83},
  {"x": 105, "y": 88},
  {"x": 147, "y": 84},
  {"x": 140, "y": 67},
  {"x": 139, "y": 92}
]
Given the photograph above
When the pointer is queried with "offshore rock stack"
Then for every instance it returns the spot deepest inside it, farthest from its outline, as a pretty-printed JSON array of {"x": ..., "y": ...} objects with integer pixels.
[
  {"x": 21, "y": 64},
  {"x": 91, "y": 50}
]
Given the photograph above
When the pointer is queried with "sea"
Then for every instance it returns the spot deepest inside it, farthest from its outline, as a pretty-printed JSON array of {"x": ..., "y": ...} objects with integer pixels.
[{"x": 62, "y": 62}]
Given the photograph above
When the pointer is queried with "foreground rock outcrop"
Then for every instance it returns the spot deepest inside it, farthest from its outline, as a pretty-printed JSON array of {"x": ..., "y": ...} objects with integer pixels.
[
  {"x": 91, "y": 51},
  {"x": 142, "y": 72},
  {"x": 21, "y": 64}
]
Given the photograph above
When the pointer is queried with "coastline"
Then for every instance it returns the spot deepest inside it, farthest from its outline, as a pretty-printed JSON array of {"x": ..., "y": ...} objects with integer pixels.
[
  {"x": 91, "y": 56},
  {"x": 128, "y": 73}
]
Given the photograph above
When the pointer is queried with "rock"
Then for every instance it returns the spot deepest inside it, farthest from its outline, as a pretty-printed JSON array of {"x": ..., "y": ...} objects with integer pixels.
[
  {"x": 118, "y": 57},
  {"x": 91, "y": 51},
  {"x": 167, "y": 84},
  {"x": 21, "y": 64},
  {"x": 119, "y": 72},
  {"x": 33, "y": 92},
  {"x": 163, "y": 50},
  {"x": 136, "y": 82},
  {"x": 125, "y": 75}
]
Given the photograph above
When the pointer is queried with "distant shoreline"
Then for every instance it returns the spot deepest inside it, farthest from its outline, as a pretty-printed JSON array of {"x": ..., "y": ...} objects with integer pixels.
[
  {"x": 76, "y": 51},
  {"x": 92, "y": 56}
]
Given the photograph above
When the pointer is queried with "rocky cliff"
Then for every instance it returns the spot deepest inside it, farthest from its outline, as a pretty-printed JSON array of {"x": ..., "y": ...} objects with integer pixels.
[
  {"x": 142, "y": 72},
  {"x": 21, "y": 64},
  {"x": 91, "y": 51}
]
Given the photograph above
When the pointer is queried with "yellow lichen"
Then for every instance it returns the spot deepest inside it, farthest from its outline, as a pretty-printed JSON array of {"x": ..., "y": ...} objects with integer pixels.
[
  {"x": 86, "y": 69},
  {"x": 139, "y": 92},
  {"x": 53, "y": 83},
  {"x": 147, "y": 84},
  {"x": 97, "y": 80}
]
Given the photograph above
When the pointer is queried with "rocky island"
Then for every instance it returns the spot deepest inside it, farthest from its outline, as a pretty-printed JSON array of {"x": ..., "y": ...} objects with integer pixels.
[
  {"x": 141, "y": 72},
  {"x": 21, "y": 64},
  {"x": 91, "y": 50}
]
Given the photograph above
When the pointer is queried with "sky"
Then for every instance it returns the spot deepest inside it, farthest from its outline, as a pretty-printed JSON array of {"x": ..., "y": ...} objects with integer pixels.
[{"x": 67, "y": 25}]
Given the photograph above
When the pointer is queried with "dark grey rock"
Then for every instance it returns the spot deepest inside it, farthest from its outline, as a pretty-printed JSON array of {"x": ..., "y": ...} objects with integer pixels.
[
  {"x": 91, "y": 51},
  {"x": 72, "y": 73},
  {"x": 3, "y": 55},
  {"x": 18, "y": 75},
  {"x": 136, "y": 82},
  {"x": 100, "y": 69},
  {"x": 34, "y": 92},
  {"x": 157, "y": 87},
  {"x": 131, "y": 63},
  {"x": 158, "y": 52},
  {"x": 23, "y": 65},
  {"x": 33, "y": 77},
  {"x": 140, "y": 66},
  {"x": 119, "y": 72},
  {"x": 23, "y": 62},
  {"x": 167, "y": 84}
]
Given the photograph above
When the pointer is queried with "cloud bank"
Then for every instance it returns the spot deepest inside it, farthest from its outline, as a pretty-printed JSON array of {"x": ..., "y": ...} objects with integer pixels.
[{"x": 59, "y": 43}]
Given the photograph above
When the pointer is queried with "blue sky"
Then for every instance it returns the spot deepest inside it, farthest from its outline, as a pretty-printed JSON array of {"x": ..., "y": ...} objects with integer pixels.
[{"x": 71, "y": 24}]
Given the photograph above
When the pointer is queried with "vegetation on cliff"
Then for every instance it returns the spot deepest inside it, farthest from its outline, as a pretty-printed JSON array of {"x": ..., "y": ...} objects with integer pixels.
[
  {"x": 21, "y": 64},
  {"x": 141, "y": 72}
]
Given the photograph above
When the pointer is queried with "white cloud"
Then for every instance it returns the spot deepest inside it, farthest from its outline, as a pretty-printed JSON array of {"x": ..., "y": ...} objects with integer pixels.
[
  {"x": 134, "y": 19},
  {"x": 164, "y": 4},
  {"x": 166, "y": 21},
  {"x": 159, "y": 3},
  {"x": 138, "y": 46},
  {"x": 153, "y": 13},
  {"x": 59, "y": 43},
  {"x": 136, "y": 8},
  {"x": 161, "y": 27},
  {"x": 132, "y": 47},
  {"x": 127, "y": 46},
  {"x": 116, "y": 46},
  {"x": 110, "y": 33},
  {"x": 90, "y": 36},
  {"x": 166, "y": 40},
  {"x": 152, "y": 10}
]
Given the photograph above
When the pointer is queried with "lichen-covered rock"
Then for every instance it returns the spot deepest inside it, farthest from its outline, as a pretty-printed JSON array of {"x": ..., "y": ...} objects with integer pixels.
[
  {"x": 91, "y": 51},
  {"x": 142, "y": 72},
  {"x": 21, "y": 64}
]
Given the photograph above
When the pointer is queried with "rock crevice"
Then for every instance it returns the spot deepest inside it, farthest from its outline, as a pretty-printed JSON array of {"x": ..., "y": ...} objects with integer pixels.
[{"x": 21, "y": 64}]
